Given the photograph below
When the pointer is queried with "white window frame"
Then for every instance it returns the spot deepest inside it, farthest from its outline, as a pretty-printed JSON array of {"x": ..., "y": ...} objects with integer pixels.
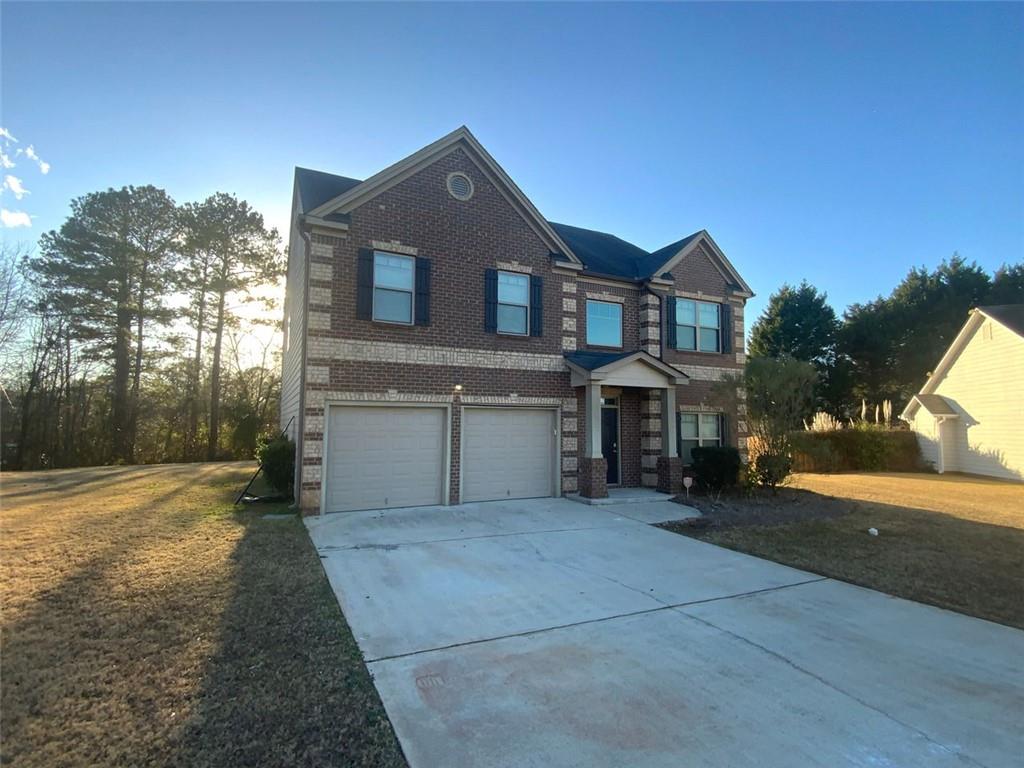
[
  {"x": 697, "y": 326},
  {"x": 702, "y": 441},
  {"x": 611, "y": 304},
  {"x": 411, "y": 291},
  {"x": 497, "y": 318}
]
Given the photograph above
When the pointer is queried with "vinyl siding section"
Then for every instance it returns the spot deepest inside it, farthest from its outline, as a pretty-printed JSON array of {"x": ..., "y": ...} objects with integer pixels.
[
  {"x": 294, "y": 330},
  {"x": 927, "y": 432},
  {"x": 985, "y": 385}
]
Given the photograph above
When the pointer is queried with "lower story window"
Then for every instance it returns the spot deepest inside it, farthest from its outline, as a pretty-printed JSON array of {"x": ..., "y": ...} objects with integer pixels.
[{"x": 698, "y": 430}]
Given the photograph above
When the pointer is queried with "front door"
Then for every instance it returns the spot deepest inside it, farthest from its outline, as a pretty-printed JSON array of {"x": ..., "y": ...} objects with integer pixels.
[{"x": 610, "y": 441}]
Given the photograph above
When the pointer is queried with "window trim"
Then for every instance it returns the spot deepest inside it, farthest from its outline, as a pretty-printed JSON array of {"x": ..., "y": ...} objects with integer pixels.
[
  {"x": 586, "y": 317},
  {"x": 697, "y": 327},
  {"x": 498, "y": 302},
  {"x": 719, "y": 441},
  {"x": 411, "y": 291}
]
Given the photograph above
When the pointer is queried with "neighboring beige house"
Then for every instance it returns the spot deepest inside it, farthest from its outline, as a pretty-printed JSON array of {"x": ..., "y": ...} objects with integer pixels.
[{"x": 969, "y": 416}]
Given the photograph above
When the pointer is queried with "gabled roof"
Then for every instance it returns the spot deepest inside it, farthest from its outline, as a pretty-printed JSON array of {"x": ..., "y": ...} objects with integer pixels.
[
  {"x": 323, "y": 197},
  {"x": 461, "y": 137},
  {"x": 936, "y": 405},
  {"x": 595, "y": 365},
  {"x": 1010, "y": 315},
  {"x": 316, "y": 187},
  {"x": 588, "y": 361}
]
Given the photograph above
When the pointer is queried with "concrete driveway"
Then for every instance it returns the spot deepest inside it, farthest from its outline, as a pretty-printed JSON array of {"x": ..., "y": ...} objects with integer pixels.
[{"x": 550, "y": 633}]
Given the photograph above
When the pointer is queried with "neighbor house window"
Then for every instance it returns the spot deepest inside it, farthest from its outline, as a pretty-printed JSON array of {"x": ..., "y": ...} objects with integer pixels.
[
  {"x": 393, "y": 287},
  {"x": 698, "y": 325},
  {"x": 513, "y": 302},
  {"x": 604, "y": 324},
  {"x": 698, "y": 429}
]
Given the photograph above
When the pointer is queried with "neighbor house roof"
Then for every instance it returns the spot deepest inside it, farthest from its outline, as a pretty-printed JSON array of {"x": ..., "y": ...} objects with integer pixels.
[
  {"x": 1010, "y": 315},
  {"x": 936, "y": 405}
]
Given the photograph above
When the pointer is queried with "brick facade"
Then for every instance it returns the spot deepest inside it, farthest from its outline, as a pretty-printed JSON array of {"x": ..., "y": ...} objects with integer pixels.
[{"x": 454, "y": 360}]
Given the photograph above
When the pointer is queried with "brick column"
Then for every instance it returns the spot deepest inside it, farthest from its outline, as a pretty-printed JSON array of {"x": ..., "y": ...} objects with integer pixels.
[
  {"x": 593, "y": 477},
  {"x": 593, "y": 469},
  {"x": 670, "y": 474}
]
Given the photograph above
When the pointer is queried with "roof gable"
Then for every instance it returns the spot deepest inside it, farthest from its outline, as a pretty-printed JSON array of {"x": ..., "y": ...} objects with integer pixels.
[
  {"x": 1009, "y": 315},
  {"x": 664, "y": 259},
  {"x": 461, "y": 137}
]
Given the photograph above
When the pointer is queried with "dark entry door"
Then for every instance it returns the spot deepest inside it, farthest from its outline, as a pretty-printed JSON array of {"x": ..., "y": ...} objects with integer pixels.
[{"x": 610, "y": 442}]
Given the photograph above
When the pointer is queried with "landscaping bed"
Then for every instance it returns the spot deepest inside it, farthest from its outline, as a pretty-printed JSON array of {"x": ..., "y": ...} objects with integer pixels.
[
  {"x": 147, "y": 621},
  {"x": 952, "y": 541}
]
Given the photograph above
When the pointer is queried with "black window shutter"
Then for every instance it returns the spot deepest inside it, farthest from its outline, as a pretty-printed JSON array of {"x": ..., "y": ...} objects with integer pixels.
[
  {"x": 670, "y": 319},
  {"x": 536, "y": 305},
  {"x": 422, "y": 291},
  {"x": 364, "y": 285},
  {"x": 723, "y": 428},
  {"x": 725, "y": 320},
  {"x": 491, "y": 301}
]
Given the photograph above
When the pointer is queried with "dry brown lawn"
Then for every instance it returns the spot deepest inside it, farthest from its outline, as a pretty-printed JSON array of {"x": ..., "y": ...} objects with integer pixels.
[
  {"x": 953, "y": 541},
  {"x": 147, "y": 622}
]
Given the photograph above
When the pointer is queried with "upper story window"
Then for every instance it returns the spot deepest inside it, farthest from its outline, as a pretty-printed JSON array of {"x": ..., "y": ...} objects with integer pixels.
[
  {"x": 393, "y": 281},
  {"x": 513, "y": 303},
  {"x": 698, "y": 325},
  {"x": 604, "y": 324},
  {"x": 698, "y": 430}
]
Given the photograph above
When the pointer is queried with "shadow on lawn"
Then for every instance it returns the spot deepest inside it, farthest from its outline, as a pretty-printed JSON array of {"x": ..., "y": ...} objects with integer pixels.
[
  {"x": 287, "y": 685},
  {"x": 964, "y": 565},
  {"x": 74, "y": 661}
]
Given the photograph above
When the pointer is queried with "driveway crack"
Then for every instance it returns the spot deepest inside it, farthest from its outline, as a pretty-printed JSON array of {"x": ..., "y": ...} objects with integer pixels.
[{"x": 827, "y": 683}]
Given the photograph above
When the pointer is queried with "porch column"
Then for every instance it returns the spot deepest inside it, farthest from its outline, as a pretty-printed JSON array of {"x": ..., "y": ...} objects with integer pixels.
[
  {"x": 593, "y": 469},
  {"x": 669, "y": 446},
  {"x": 670, "y": 466}
]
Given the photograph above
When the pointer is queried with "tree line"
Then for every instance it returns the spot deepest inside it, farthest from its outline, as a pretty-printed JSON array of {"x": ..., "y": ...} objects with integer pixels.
[
  {"x": 883, "y": 349},
  {"x": 125, "y": 334}
]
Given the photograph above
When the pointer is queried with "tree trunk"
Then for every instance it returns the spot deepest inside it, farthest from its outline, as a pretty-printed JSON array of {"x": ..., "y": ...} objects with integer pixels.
[
  {"x": 192, "y": 430},
  {"x": 133, "y": 419},
  {"x": 122, "y": 363},
  {"x": 214, "y": 436}
]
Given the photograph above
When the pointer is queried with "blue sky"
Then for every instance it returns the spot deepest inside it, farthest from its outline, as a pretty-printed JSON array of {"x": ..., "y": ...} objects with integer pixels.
[{"x": 839, "y": 143}]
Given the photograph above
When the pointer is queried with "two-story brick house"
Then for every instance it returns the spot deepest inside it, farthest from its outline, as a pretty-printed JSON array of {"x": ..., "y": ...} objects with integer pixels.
[{"x": 444, "y": 342}]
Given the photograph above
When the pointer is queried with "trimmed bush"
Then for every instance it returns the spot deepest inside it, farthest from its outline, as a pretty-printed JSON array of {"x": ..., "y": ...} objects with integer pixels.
[
  {"x": 863, "y": 447},
  {"x": 278, "y": 459},
  {"x": 716, "y": 467},
  {"x": 770, "y": 469}
]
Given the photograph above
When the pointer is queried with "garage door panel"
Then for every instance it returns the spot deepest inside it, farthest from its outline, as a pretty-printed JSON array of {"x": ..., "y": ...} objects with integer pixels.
[
  {"x": 507, "y": 453},
  {"x": 381, "y": 457}
]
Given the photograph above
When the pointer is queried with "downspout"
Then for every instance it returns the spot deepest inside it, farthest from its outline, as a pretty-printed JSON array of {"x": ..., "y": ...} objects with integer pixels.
[{"x": 307, "y": 245}]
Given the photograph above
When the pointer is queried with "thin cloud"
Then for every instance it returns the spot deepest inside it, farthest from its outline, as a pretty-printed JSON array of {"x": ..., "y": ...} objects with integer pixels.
[
  {"x": 14, "y": 219},
  {"x": 5, "y": 161},
  {"x": 5, "y": 134},
  {"x": 30, "y": 153},
  {"x": 14, "y": 184}
]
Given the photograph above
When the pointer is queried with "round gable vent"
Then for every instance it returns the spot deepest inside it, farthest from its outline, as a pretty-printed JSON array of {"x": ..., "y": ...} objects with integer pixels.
[{"x": 459, "y": 186}]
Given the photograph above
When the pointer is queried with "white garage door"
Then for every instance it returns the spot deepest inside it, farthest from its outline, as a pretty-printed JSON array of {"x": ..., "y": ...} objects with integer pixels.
[
  {"x": 507, "y": 453},
  {"x": 380, "y": 457}
]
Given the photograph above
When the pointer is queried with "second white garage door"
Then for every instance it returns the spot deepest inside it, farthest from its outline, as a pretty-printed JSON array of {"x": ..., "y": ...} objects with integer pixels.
[
  {"x": 507, "y": 453},
  {"x": 382, "y": 456}
]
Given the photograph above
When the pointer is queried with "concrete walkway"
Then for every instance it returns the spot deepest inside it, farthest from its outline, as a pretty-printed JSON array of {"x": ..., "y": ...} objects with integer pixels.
[{"x": 549, "y": 633}]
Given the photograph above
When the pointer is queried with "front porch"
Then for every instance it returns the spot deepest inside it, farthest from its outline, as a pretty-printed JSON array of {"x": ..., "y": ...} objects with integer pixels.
[{"x": 628, "y": 408}]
